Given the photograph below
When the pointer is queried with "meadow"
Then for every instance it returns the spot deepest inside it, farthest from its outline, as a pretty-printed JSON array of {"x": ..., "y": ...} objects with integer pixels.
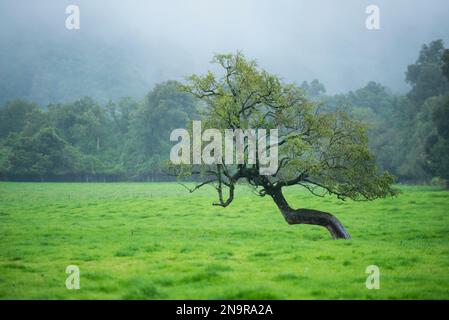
[{"x": 158, "y": 241}]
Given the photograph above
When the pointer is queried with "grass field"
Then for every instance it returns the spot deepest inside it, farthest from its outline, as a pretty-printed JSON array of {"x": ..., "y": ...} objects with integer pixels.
[{"x": 157, "y": 241}]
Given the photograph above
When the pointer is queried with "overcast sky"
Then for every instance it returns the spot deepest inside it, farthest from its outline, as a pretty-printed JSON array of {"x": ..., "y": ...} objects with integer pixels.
[{"x": 298, "y": 40}]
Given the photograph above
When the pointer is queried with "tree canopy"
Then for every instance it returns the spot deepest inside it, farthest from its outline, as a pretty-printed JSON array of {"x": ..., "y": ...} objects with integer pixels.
[{"x": 322, "y": 151}]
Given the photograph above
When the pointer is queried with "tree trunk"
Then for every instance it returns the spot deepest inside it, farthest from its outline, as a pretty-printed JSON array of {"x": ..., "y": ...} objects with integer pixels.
[{"x": 309, "y": 216}]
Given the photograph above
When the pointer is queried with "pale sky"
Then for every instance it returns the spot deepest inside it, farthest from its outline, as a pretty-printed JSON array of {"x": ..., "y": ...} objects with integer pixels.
[{"x": 298, "y": 40}]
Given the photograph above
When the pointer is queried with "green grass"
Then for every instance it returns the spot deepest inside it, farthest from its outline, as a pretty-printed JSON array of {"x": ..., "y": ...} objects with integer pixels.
[{"x": 157, "y": 241}]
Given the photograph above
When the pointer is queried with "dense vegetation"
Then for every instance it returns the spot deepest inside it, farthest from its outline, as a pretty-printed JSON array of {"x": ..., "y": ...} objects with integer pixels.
[
  {"x": 128, "y": 139},
  {"x": 85, "y": 141}
]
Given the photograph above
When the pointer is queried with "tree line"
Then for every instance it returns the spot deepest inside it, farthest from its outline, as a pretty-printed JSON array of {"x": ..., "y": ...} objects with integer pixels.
[
  {"x": 84, "y": 141},
  {"x": 129, "y": 139}
]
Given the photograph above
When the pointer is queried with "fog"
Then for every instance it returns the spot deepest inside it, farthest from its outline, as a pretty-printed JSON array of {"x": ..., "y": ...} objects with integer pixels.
[{"x": 298, "y": 40}]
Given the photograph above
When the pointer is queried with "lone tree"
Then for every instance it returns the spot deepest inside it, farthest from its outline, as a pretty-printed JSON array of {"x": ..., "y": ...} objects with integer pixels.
[{"x": 323, "y": 152}]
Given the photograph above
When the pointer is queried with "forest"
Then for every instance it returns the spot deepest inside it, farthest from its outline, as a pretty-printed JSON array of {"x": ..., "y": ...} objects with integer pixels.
[{"x": 128, "y": 139}]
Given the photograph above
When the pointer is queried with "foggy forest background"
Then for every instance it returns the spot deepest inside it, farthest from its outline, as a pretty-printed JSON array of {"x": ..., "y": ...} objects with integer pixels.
[{"x": 99, "y": 104}]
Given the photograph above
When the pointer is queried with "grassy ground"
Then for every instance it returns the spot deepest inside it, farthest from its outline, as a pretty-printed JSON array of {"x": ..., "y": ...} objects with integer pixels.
[{"x": 156, "y": 241}]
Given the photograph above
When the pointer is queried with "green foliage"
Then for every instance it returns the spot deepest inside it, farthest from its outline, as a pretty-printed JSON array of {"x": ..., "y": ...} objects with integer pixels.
[
  {"x": 437, "y": 146},
  {"x": 426, "y": 75},
  {"x": 325, "y": 150},
  {"x": 314, "y": 89},
  {"x": 164, "y": 109},
  {"x": 445, "y": 67},
  {"x": 402, "y": 129},
  {"x": 15, "y": 115},
  {"x": 83, "y": 140},
  {"x": 42, "y": 155}
]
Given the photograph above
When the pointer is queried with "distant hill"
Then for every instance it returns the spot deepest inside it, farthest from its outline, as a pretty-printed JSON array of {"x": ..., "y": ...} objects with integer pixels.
[{"x": 67, "y": 68}]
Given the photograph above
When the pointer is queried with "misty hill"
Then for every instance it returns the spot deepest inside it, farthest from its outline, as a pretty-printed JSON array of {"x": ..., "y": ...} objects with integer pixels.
[
  {"x": 57, "y": 71},
  {"x": 123, "y": 49}
]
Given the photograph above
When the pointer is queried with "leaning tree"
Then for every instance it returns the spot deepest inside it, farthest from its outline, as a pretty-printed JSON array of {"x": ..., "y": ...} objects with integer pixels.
[{"x": 324, "y": 152}]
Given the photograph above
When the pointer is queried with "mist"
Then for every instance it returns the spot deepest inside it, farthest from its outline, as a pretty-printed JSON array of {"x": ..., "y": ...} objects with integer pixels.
[{"x": 142, "y": 43}]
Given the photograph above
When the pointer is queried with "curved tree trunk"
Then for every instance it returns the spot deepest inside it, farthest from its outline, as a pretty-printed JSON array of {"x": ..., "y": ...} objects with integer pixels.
[{"x": 309, "y": 216}]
